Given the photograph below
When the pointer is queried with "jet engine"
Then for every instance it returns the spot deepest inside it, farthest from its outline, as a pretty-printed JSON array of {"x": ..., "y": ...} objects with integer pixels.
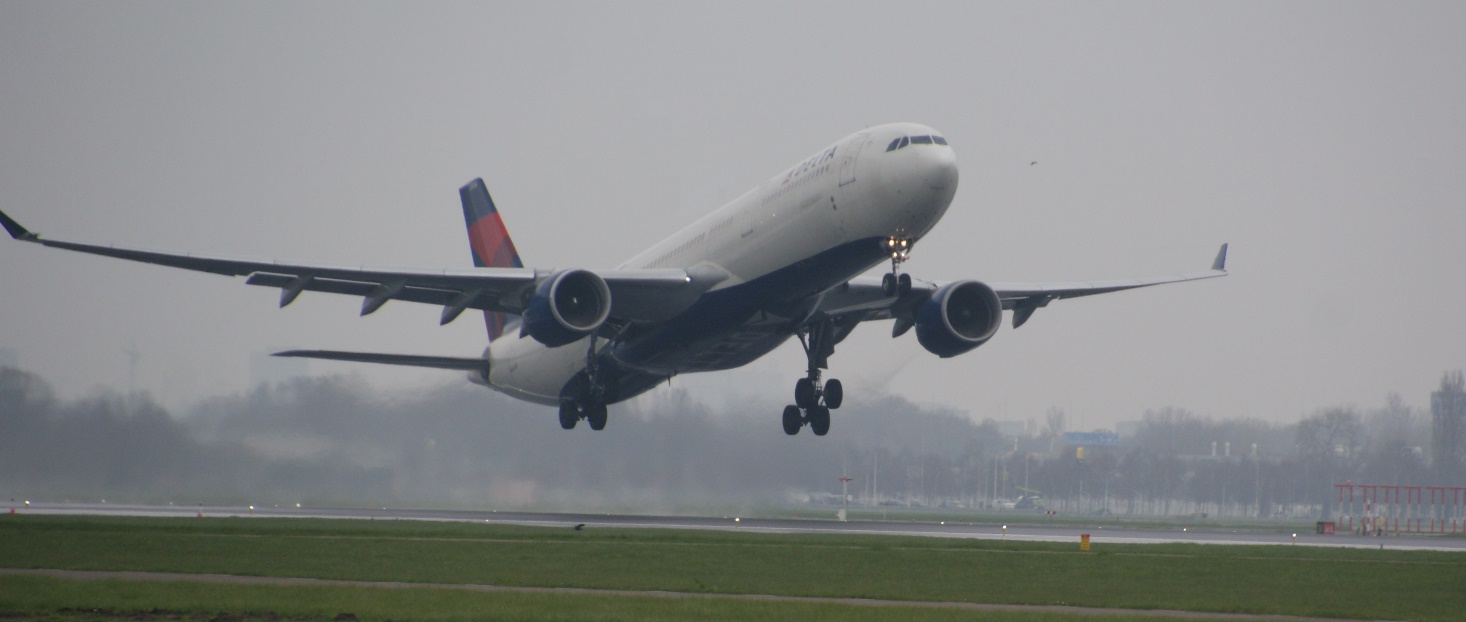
[
  {"x": 958, "y": 317},
  {"x": 567, "y": 306}
]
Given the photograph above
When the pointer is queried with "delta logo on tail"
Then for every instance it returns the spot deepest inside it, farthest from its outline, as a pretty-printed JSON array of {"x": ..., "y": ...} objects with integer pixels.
[{"x": 489, "y": 240}]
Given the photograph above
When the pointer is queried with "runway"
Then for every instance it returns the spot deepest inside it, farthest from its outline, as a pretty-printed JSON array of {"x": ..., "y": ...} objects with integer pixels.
[{"x": 949, "y": 529}]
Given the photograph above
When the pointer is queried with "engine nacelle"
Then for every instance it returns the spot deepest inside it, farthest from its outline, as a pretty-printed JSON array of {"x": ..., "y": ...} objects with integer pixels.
[
  {"x": 566, "y": 307},
  {"x": 958, "y": 317}
]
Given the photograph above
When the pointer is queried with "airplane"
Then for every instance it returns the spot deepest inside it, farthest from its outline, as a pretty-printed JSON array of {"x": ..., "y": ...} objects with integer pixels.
[{"x": 784, "y": 260}]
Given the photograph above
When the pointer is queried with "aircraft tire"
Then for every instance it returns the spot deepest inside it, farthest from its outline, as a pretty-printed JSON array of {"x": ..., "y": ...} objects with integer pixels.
[
  {"x": 792, "y": 420},
  {"x": 903, "y": 285},
  {"x": 804, "y": 393},
  {"x": 834, "y": 393},
  {"x": 596, "y": 416},
  {"x": 888, "y": 285},
  {"x": 819, "y": 420},
  {"x": 569, "y": 415}
]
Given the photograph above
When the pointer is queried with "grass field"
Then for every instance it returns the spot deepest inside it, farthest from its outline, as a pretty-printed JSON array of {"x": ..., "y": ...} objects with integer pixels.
[{"x": 1341, "y": 583}]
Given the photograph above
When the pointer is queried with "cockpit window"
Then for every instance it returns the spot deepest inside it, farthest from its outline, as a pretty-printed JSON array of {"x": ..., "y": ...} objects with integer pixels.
[{"x": 903, "y": 141}]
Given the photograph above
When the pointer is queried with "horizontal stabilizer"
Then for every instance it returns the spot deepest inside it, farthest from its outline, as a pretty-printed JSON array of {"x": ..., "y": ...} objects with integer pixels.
[{"x": 411, "y": 360}]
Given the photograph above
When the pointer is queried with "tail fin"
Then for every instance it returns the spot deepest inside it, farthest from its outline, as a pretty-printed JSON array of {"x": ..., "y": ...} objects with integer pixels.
[{"x": 489, "y": 241}]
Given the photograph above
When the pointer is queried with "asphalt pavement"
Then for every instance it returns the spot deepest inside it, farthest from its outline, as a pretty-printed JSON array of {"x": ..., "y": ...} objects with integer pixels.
[{"x": 948, "y": 529}]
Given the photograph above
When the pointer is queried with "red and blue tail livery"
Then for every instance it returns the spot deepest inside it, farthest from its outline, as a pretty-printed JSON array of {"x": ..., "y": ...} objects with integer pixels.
[{"x": 488, "y": 239}]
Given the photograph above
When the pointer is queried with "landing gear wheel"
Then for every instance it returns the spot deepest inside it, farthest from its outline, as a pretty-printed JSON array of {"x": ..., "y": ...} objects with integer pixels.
[
  {"x": 569, "y": 415},
  {"x": 792, "y": 420},
  {"x": 819, "y": 420},
  {"x": 889, "y": 285},
  {"x": 596, "y": 416},
  {"x": 903, "y": 285},
  {"x": 834, "y": 393},
  {"x": 804, "y": 394}
]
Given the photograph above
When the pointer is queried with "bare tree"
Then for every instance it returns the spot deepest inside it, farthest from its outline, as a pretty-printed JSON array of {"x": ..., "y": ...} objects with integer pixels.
[
  {"x": 1329, "y": 445},
  {"x": 1393, "y": 437},
  {"x": 1054, "y": 422},
  {"x": 1448, "y": 426}
]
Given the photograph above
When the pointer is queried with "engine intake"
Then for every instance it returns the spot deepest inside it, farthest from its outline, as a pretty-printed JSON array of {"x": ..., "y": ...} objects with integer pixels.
[
  {"x": 567, "y": 306},
  {"x": 958, "y": 317}
]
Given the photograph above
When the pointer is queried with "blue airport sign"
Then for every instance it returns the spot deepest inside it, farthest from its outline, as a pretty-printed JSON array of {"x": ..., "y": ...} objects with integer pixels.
[{"x": 1092, "y": 439}]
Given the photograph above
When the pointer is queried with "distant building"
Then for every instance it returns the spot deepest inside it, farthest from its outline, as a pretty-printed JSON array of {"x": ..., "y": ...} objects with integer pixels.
[
  {"x": 1012, "y": 429},
  {"x": 1448, "y": 426},
  {"x": 1128, "y": 429},
  {"x": 272, "y": 370}
]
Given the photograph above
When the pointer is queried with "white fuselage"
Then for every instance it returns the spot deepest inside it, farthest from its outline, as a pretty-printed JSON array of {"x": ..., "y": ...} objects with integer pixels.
[{"x": 783, "y": 243}]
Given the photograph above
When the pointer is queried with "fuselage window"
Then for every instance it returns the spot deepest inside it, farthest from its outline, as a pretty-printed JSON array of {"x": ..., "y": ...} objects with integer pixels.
[
  {"x": 921, "y": 140},
  {"x": 903, "y": 143},
  {"x": 939, "y": 140},
  {"x": 896, "y": 143}
]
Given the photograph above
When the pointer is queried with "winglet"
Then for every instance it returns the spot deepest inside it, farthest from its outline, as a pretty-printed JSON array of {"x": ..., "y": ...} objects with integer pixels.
[
  {"x": 15, "y": 230},
  {"x": 1220, "y": 263}
]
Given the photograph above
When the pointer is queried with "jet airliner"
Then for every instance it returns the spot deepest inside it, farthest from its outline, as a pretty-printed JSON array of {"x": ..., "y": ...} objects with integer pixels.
[{"x": 782, "y": 261}]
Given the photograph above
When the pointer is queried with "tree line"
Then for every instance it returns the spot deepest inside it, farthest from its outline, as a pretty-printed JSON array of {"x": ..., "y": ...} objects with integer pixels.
[{"x": 337, "y": 440}]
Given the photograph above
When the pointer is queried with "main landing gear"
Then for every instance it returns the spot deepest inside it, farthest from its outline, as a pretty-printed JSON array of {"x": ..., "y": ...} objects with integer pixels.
[
  {"x": 572, "y": 412},
  {"x": 813, "y": 401},
  {"x": 590, "y": 401},
  {"x": 895, "y": 283}
]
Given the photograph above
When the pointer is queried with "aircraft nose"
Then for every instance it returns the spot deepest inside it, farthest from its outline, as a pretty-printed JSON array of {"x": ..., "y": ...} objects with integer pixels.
[{"x": 939, "y": 168}]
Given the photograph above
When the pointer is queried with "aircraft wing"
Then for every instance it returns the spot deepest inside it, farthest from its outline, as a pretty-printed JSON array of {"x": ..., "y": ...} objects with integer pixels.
[
  {"x": 636, "y": 295},
  {"x": 862, "y": 298}
]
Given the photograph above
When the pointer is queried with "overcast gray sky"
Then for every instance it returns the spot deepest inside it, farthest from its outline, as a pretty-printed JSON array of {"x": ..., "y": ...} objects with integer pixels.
[{"x": 1325, "y": 140}]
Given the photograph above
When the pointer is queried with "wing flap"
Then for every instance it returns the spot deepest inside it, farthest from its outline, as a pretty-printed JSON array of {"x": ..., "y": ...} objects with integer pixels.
[{"x": 289, "y": 283}]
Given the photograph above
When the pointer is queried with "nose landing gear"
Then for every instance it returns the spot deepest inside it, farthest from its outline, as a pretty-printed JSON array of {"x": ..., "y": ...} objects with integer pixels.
[{"x": 896, "y": 283}]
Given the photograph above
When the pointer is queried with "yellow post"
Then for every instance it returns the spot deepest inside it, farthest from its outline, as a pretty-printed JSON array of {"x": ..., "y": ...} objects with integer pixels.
[{"x": 1084, "y": 542}]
